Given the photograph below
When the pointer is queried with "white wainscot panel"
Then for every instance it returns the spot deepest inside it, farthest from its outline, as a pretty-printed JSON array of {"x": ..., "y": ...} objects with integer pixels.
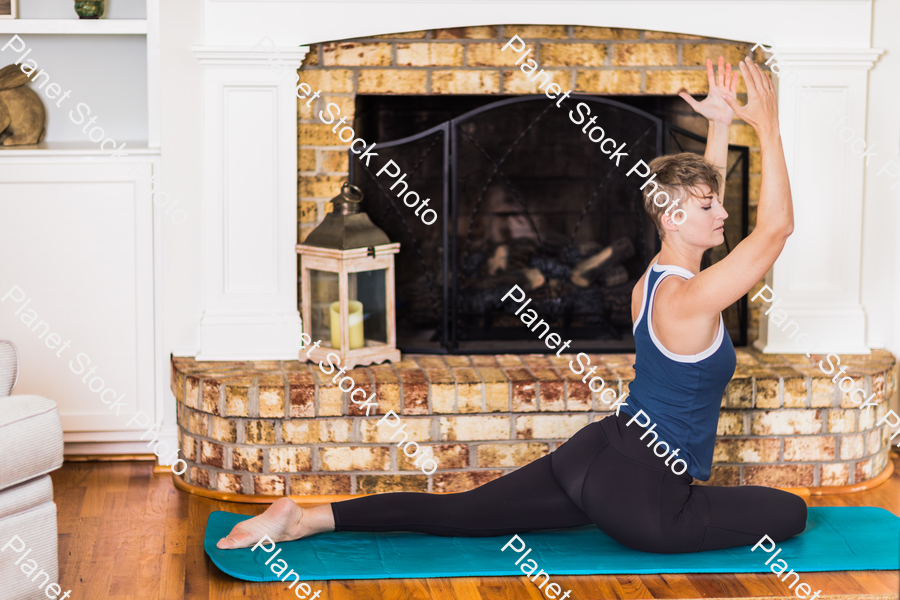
[
  {"x": 77, "y": 241},
  {"x": 823, "y": 166},
  {"x": 251, "y": 258}
]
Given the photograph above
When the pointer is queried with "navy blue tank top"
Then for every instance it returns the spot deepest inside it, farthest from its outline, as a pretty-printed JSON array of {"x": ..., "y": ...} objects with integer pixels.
[{"x": 681, "y": 393}]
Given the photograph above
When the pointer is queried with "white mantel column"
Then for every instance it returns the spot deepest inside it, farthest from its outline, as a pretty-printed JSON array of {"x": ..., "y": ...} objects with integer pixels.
[
  {"x": 249, "y": 203},
  {"x": 817, "y": 277}
]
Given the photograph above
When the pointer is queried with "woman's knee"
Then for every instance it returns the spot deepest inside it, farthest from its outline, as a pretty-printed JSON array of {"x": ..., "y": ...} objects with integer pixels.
[
  {"x": 570, "y": 462},
  {"x": 800, "y": 513},
  {"x": 791, "y": 512}
]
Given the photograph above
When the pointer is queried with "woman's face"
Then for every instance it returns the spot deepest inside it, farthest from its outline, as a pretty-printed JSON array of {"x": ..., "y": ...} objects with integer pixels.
[{"x": 703, "y": 220}]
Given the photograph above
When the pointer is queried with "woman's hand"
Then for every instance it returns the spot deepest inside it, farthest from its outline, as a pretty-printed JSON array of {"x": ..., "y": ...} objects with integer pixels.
[
  {"x": 761, "y": 110},
  {"x": 713, "y": 107}
]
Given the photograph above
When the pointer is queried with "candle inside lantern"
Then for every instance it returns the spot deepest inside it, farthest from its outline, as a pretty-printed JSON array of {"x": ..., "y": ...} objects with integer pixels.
[{"x": 356, "y": 325}]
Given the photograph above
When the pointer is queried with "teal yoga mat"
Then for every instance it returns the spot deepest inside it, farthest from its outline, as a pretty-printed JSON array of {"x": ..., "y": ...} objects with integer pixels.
[{"x": 835, "y": 539}]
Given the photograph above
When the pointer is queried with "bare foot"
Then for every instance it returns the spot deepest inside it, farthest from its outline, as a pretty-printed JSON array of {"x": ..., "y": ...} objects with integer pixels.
[{"x": 283, "y": 521}]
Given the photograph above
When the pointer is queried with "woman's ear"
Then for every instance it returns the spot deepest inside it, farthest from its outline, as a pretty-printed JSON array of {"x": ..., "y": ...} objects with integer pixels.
[{"x": 667, "y": 222}]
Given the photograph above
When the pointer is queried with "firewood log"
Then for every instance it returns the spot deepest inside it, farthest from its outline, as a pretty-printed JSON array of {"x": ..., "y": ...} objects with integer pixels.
[
  {"x": 614, "y": 276},
  {"x": 589, "y": 269},
  {"x": 499, "y": 261}
]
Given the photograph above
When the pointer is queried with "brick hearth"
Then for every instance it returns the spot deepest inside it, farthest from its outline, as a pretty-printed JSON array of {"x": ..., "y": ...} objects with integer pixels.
[{"x": 284, "y": 428}]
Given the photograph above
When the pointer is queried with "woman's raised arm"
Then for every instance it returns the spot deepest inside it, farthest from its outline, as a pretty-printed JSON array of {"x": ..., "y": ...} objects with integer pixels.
[
  {"x": 719, "y": 286},
  {"x": 719, "y": 113}
]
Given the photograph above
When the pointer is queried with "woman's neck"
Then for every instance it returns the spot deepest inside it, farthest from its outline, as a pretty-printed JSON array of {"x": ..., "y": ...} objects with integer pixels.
[{"x": 681, "y": 257}]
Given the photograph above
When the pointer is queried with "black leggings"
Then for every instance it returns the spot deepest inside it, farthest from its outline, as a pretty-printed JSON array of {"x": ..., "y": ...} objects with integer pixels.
[{"x": 605, "y": 475}]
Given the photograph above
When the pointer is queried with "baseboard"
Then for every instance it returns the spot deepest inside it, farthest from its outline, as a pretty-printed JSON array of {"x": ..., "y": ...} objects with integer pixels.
[
  {"x": 98, "y": 448},
  {"x": 110, "y": 458}
]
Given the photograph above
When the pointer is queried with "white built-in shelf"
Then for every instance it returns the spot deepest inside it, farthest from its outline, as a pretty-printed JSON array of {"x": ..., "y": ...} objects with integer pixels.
[
  {"x": 86, "y": 149},
  {"x": 74, "y": 26}
]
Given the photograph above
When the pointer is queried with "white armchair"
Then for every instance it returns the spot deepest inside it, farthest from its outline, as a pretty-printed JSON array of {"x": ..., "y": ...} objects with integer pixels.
[{"x": 31, "y": 446}]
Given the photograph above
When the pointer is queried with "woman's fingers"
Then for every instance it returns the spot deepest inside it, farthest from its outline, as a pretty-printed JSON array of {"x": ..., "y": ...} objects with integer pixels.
[
  {"x": 750, "y": 77},
  {"x": 721, "y": 71},
  {"x": 757, "y": 75},
  {"x": 764, "y": 86},
  {"x": 731, "y": 101},
  {"x": 765, "y": 79},
  {"x": 763, "y": 83},
  {"x": 710, "y": 76},
  {"x": 690, "y": 100}
]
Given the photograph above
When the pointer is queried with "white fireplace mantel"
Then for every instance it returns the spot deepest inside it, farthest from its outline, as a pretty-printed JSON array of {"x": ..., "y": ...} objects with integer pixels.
[
  {"x": 249, "y": 204},
  {"x": 818, "y": 275},
  {"x": 250, "y": 168}
]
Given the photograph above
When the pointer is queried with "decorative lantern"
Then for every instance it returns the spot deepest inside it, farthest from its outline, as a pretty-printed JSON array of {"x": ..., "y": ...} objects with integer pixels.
[{"x": 347, "y": 276}]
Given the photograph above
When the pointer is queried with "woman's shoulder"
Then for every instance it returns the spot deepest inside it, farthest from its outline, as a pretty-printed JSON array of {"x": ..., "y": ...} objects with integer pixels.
[
  {"x": 637, "y": 292},
  {"x": 637, "y": 298}
]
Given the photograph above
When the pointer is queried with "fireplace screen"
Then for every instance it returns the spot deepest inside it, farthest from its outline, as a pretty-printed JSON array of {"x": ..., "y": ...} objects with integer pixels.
[{"x": 525, "y": 199}]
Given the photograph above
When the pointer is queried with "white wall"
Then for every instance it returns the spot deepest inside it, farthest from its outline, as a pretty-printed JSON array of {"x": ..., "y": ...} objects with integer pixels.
[
  {"x": 295, "y": 22},
  {"x": 113, "y": 9},
  {"x": 181, "y": 26},
  {"x": 881, "y": 216},
  {"x": 113, "y": 89},
  {"x": 881, "y": 222},
  {"x": 180, "y": 115}
]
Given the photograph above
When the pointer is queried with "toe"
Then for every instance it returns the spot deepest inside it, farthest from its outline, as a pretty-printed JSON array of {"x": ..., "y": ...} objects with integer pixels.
[
  {"x": 238, "y": 537},
  {"x": 226, "y": 543}
]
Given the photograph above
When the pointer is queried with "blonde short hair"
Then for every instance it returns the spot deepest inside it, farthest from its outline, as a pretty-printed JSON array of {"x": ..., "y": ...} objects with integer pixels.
[{"x": 676, "y": 176}]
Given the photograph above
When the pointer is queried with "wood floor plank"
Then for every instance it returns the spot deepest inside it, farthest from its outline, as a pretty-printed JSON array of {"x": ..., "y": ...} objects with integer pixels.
[
  {"x": 94, "y": 497},
  {"x": 631, "y": 586},
  {"x": 353, "y": 589},
  {"x": 197, "y": 564},
  {"x": 86, "y": 539},
  {"x": 68, "y": 512},
  {"x": 504, "y": 588},
  {"x": 171, "y": 583},
  {"x": 152, "y": 536},
  {"x": 404, "y": 589},
  {"x": 222, "y": 587},
  {"x": 587, "y": 586},
  {"x": 65, "y": 547},
  {"x": 72, "y": 475},
  {"x": 175, "y": 536},
  {"x": 115, "y": 546},
  {"x": 72, "y": 553},
  {"x": 670, "y": 585},
  {"x": 870, "y": 583},
  {"x": 126, "y": 533},
  {"x": 831, "y": 583},
  {"x": 763, "y": 584},
  {"x": 464, "y": 588},
  {"x": 571, "y": 582},
  {"x": 877, "y": 582}
]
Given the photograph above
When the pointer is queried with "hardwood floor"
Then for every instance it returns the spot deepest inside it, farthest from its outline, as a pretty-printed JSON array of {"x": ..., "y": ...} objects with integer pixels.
[{"x": 126, "y": 534}]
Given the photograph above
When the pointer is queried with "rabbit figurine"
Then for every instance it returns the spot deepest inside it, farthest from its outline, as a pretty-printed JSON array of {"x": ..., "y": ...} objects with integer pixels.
[{"x": 22, "y": 114}]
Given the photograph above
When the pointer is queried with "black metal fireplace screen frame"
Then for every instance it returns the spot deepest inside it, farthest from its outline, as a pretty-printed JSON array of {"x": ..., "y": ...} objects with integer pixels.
[{"x": 667, "y": 137}]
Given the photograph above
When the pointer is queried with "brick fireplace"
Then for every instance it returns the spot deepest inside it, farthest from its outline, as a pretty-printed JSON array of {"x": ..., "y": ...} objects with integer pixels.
[{"x": 276, "y": 427}]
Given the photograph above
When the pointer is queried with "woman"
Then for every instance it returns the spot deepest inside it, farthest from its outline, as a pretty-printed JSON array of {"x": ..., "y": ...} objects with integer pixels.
[{"x": 606, "y": 474}]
